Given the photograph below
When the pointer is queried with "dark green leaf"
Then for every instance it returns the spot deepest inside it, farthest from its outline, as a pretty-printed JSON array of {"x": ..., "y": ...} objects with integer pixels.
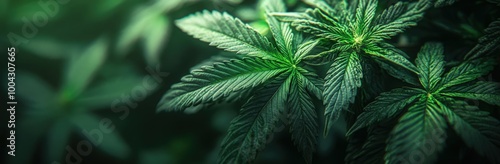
[
  {"x": 419, "y": 135},
  {"x": 342, "y": 81},
  {"x": 387, "y": 105},
  {"x": 477, "y": 129},
  {"x": 488, "y": 92},
  {"x": 110, "y": 141},
  {"x": 228, "y": 33},
  {"x": 217, "y": 81},
  {"x": 303, "y": 118},
  {"x": 430, "y": 63},
  {"x": 466, "y": 72},
  {"x": 250, "y": 130}
]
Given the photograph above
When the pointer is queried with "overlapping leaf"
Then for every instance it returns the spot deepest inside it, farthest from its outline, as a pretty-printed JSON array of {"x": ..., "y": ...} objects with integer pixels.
[
  {"x": 228, "y": 33},
  {"x": 303, "y": 118},
  {"x": 425, "y": 120},
  {"x": 280, "y": 82},
  {"x": 250, "y": 130},
  {"x": 342, "y": 82},
  {"x": 215, "y": 82}
]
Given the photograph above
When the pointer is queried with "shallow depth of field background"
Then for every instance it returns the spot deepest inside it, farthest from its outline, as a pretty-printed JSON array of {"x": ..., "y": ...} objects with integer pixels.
[{"x": 126, "y": 40}]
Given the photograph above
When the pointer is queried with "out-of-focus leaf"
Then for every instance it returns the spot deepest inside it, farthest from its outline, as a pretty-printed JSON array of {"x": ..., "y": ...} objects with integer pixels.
[
  {"x": 82, "y": 67},
  {"x": 103, "y": 94},
  {"x": 57, "y": 138},
  {"x": 110, "y": 143},
  {"x": 155, "y": 157},
  {"x": 33, "y": 89},
  {"x": 150, "y": 24},
  {"x": 49, "y": 47},
  {"x": 141, "y": 19},
  {"x": 104, "y": 8},
  {"x": 260, "y": 26},
  {"x": 155, "y": 37},
  {"x": 168, "y": 5}
]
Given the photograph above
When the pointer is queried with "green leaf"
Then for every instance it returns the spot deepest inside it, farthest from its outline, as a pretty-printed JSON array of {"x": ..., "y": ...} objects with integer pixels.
[
  {"x": 387, "y": 105},
  {"x": 342, "y": 81},
  {"x": 441, "y": 3},
  {"x": 138, "y": 25},
  {"x": 419, "y": 135},
  {"x": 48, "y": 47},
  {"x": 104, "y": 94},
  {"x": 303, "y": 118},
  {"x": 155, "y": 38},
  {"x": 57, "y": 138},
  {"x": 396, "y": 71},
  {"x": 34, "y": 90},
  {"x": 430, "y": 62},
  {"x": 83, "y": 67},
  {"x": 390, "y": 54},
  {"x": 217, "y": 81},
  {"x": 312, "y": 82},
  {"x": 250, "y": 130},
  {"x": 322, "y": 25},
  {"x": 373, "y": 149},
  {"x": 488, "y": 43},
  {"x": 282, "y": 32},
  {"x": 397, "y": 18},
  {"x": 477, "y": 129},
  {"x": 365, "y": 13},
  {"x": 327, "y": 56},
  {"x": 488, "y": 92},
  {"x": 109, "y": 141},
  {"x": 305, "y": 48},
  {"x": 228, "y": 33},
  {"x": 466, "y": 72}
]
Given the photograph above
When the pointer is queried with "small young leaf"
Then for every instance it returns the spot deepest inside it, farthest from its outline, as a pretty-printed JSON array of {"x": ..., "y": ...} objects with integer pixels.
[{"x": 430, "y": 62}]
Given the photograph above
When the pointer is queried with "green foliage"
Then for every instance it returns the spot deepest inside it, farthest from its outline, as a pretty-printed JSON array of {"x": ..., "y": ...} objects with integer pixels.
[
  {"x": 429, "y": 112},
  {"x": 347, "y": 69},
  {"x": 353, "y": 37},
  {"x": 67, "y": 110},
  {"x": 278, "y": 79},
  {"x": 354, "y": 29}
]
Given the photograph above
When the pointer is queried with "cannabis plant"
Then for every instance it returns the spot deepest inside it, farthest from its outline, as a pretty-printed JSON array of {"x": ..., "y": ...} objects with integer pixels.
[
  {"x": 280, "y": 82},
  {"x": 436, "y": 103},
  {"x": 356, "y": 33},
  {"x": 280, "y": 79}
]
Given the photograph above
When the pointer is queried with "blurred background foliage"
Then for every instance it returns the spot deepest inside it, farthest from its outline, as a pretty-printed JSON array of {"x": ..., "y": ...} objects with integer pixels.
[{"x": 80, "y": 66}]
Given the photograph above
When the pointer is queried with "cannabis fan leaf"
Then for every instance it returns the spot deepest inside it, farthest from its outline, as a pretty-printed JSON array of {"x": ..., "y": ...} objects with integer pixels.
[
  {"x": 281, "y": 84},
  {"x": 437, "y": 103},
  {"x": 355, "y": 29}
]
